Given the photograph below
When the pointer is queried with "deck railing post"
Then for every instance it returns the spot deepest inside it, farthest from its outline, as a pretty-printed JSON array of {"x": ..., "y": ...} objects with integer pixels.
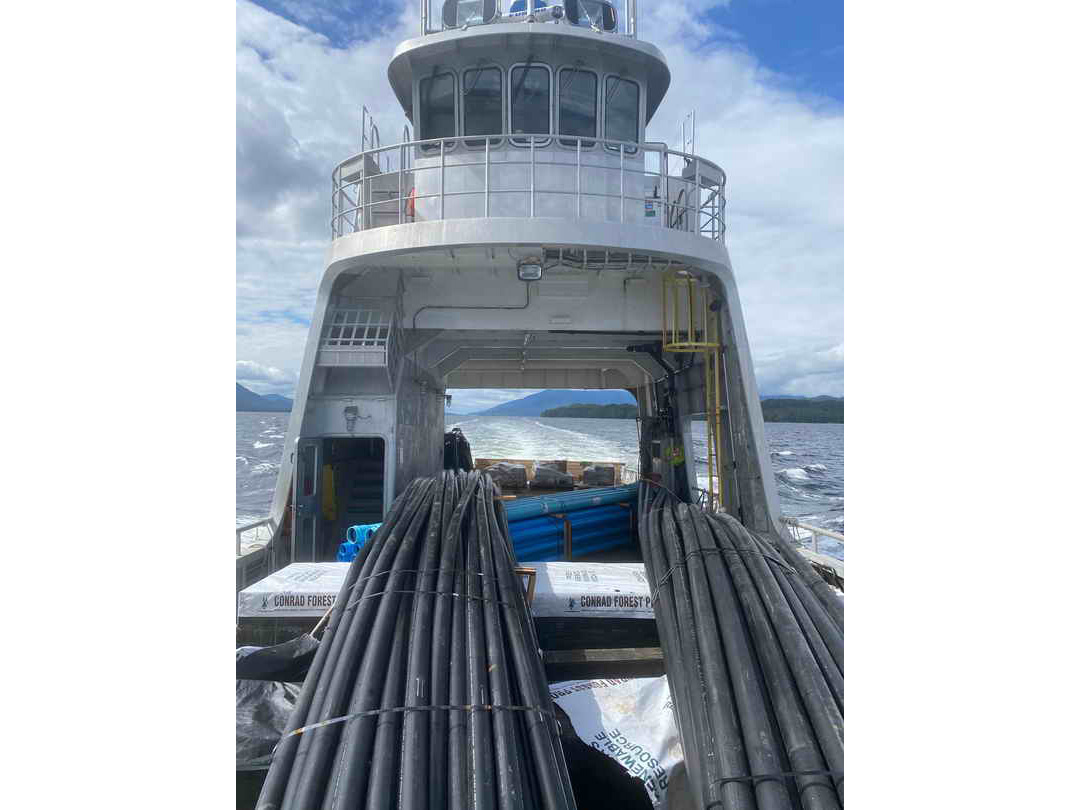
[
  {"x": 697, "y": 196},
  {"x": 663, "y": 179},
  {"x": 401, "y": 186},
  {"x": 487, "y": 176},
  {"x": 442, "y": 179}
]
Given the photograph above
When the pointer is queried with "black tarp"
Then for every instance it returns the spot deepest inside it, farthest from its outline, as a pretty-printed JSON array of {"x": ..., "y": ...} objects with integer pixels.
[
  {"x": 262, "y": 711},
  {"x": 288, "y": 661}
]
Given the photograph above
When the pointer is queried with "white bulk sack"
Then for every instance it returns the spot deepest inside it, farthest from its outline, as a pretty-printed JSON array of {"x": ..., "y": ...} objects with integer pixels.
[{"x": 632, "y": 720}]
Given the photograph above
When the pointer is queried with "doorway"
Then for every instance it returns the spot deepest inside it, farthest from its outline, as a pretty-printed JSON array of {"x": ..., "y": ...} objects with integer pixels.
[{"x": 339, "y": 483}]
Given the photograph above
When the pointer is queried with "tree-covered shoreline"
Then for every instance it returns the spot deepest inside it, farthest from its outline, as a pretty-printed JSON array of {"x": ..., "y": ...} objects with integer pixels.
[
  {"x": 819, "y": 410},
  {"x": 587, "y": 411}
]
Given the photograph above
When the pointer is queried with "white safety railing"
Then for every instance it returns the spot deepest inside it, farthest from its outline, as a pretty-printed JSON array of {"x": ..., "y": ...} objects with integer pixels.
[
  {"x": 254, "y": 534},
  {"x": 795, "y": 525},
  {"x": 432, "y": 19},
  {"x": 531, "y": 176}
]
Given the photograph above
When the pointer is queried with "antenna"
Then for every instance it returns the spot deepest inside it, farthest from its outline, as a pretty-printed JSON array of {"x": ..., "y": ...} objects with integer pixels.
[{"x": 689, "y": 131}]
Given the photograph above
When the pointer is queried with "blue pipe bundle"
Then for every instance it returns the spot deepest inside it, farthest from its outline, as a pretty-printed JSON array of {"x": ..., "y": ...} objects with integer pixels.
[
  {"x": 362, "y": 533},
  {"x": 540, "y": 539},
  {"x": 597, "y": 522},
  {"x": 569, "y": 501}
]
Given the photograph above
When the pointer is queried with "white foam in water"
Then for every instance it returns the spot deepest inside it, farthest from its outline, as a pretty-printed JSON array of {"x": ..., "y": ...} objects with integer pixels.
[
  {"x": 810, "y": 492},
  {"x": 576, "y": 433}
]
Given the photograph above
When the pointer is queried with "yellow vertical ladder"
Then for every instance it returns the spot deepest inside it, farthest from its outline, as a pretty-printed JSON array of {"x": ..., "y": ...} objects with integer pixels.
[{"x": 690, "y": 324}]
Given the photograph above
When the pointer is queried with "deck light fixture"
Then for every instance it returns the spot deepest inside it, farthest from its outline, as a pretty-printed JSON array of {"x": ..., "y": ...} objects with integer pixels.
[{"x": 530, "y": 270}]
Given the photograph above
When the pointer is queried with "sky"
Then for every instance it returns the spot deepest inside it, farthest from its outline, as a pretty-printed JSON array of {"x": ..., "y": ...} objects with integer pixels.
[{"x": 765, "y": 78}]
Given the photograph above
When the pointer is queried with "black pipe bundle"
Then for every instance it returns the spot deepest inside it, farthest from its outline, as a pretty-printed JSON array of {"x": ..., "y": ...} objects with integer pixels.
[
  {"x": 755, "y": 660},
  {"x": 427, "y": 689}
]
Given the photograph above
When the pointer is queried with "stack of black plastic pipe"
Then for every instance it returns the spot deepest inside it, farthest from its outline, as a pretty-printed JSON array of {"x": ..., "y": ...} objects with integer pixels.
[
  {"x": 754, "y": 658},
  {"x": 431, "y": 616}
]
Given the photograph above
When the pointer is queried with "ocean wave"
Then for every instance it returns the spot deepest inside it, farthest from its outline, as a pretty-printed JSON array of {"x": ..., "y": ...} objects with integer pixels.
[
  {"x": 575, "y": 433},
  {"x": 802, "y": 487}
]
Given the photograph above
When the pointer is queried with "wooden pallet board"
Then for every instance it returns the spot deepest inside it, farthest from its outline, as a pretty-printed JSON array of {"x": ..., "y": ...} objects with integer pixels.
[
  {"x": 630, "y": 662},
  {"x": 574, "y": 468}
]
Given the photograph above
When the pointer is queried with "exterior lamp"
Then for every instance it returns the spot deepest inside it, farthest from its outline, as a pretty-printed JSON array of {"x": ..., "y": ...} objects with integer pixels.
[{"x": 530, "y": 270}]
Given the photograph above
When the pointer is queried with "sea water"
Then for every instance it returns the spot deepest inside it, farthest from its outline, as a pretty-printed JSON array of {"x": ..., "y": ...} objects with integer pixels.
[{"x": 807, "y": 459}]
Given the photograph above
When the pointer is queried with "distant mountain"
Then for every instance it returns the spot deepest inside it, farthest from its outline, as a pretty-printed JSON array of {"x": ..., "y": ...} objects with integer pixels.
[
  {"x": 816, "y": 409},
  {"x": 580, "y": 411},
  {"x": 796, "y": 396},
  {"x": 536, "y": 404},
  {"x": 247, "y": 400}
]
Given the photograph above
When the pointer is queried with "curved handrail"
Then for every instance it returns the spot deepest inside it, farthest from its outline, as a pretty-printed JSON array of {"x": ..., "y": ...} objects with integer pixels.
[
  {"x": 266, "y": 521},
  {"x": 814, "y": 531},
  {"x": 700, "y": 183}
]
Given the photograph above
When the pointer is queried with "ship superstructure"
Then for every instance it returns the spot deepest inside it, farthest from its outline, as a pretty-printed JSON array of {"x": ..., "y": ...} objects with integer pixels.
[{"x": 525, "y": 234}]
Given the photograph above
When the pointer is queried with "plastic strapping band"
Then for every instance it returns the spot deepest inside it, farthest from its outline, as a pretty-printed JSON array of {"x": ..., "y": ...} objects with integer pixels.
[
  {"x": 417, "y": 571},
  {"x": 701, "y": 551},
  {"x": 768, "y": 557},
  {"x": 478, "y": 707},
  {"x": 779, "y": 776},
  {"x": 355, "y": 602}
]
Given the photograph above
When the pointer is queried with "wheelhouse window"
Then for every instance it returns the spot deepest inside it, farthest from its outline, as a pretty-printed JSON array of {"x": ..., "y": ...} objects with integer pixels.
[
  {"x": 437, "y": 106},
  {"x": 621, "y": 109},
  {"x": 577, "y": 106},
  {"x": 592, "y": 12},
  {"x": 530, "y": 101},
  {"x": 482, "y": 102},
  {"x": 458, "y": 13}
]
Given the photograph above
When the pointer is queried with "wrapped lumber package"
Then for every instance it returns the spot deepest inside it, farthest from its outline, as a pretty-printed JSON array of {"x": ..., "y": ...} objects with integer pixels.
[
  {"x": 599, "y": 475},
  {"x": 548, "y": 477},
  {"x": 507, "y": 475}
]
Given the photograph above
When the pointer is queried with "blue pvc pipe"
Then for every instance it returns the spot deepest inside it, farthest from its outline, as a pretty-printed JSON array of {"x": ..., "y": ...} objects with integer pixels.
[
  {"x": 540, "y": 539},
  {"x": 361, "y": 533},
  {"x": 523, "y": 508}
]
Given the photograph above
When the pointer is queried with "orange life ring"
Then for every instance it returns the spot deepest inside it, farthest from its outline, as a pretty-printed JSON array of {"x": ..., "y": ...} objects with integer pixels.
[{"x": 410, "y": 203}]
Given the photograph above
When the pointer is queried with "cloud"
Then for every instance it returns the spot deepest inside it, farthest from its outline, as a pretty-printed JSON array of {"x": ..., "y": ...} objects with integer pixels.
[
  {"x": 275, "y": 196},
  {"x": 806, "y": 372},
  {"x": 265, "y": 379},
  {"x": 298, "y": 108},
  {"x": 467, "y": 400}
]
